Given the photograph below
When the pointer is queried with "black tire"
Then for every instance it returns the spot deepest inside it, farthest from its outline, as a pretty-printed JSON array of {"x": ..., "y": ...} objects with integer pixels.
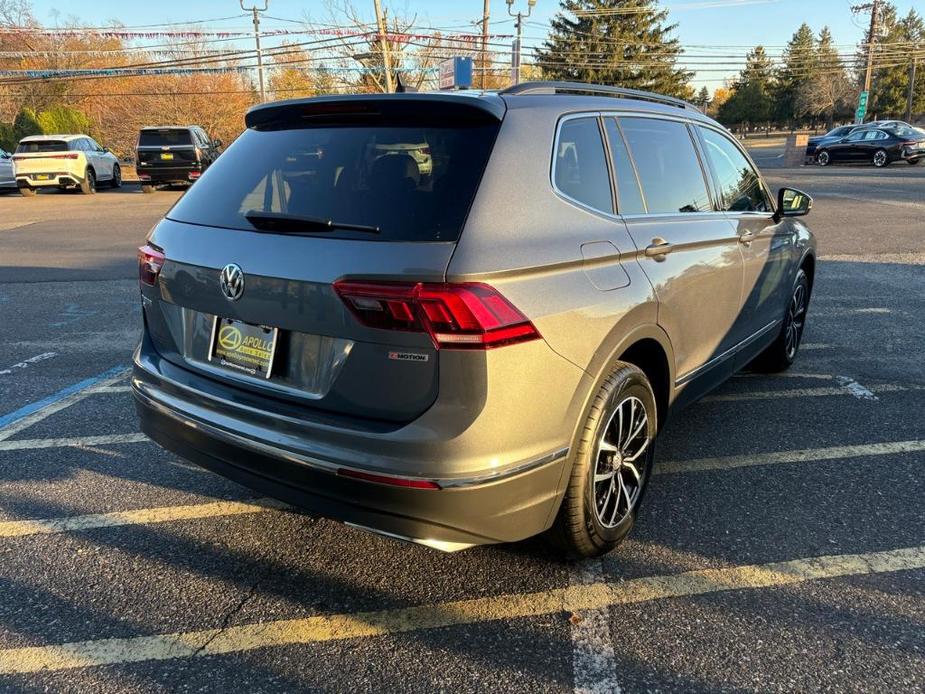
[
  {"x": 147, "y": 188},
  {"x": 880, "y": 159},
  {"x": 88, "y": 185},
  {"x": 28, "y": 192},
  {"x": 781, "y": 354},
  {"x": 578, "y": 528},
  {"x": 116, "y": 180},
  {"x": 823, "y": 158}
]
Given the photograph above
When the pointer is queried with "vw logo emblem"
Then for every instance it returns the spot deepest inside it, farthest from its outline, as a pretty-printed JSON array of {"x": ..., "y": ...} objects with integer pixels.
[{"x": 232, "y": 281}]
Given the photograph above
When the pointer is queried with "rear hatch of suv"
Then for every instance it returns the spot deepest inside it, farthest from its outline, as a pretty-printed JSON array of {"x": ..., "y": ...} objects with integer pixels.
[
  {"x": 166, "y": 148},
  {"x": 307, "y": 264},
  {"x": 43, "y": 159}
]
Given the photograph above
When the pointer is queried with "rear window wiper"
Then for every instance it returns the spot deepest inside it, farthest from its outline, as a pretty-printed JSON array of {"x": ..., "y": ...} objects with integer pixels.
[{"x": 293, "y": 223}]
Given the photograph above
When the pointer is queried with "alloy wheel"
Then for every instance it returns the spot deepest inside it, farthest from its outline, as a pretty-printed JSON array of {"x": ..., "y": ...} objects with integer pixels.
[
  {"x": 619, "y": 467},
  {"x": 880, "y": 158},
  {"x": 796, "y": 318},
  {"x": 823, "y": 158}
]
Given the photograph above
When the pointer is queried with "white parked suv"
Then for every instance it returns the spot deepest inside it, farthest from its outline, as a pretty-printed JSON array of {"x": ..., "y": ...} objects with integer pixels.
[{"x": 64, "y": 161}]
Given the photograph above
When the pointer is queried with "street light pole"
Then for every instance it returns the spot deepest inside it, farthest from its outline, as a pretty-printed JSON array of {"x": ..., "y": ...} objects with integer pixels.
[
  {"x": 257, "y": 10},
  {"x": 486, "y": 10},
  {"x": 911, "y": 99},
  {"x": 384, "y": 47},
  {"x": 874, "y": 8},
  {"x": 518, "y": 23}
]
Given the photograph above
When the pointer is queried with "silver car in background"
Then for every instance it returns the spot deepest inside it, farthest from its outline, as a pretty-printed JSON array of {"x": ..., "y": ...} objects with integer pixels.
[
  {"x": 7, "y": 176},
  {"x": 480, "y": 353}
]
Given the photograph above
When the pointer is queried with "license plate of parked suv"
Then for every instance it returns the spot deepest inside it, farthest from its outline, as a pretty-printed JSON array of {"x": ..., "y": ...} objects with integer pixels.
[{"x": 242, "y": 347}]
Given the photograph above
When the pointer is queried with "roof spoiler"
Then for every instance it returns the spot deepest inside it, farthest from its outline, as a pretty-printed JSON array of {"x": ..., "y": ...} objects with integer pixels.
[{"x": 426, "y": 108}]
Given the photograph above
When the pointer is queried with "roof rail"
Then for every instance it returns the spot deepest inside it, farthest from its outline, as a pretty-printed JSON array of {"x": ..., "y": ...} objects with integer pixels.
[{"x": 552, "y": 87}]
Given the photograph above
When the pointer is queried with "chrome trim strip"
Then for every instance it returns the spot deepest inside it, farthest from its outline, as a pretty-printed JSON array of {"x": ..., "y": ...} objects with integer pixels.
[
  {"x": 144, "y": 393},
  {"x": 442, "y": 545},
  {"x": 717, "y": 360}
]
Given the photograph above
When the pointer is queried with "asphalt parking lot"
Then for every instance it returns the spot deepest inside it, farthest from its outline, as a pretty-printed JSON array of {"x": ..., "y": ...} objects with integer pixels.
[{"x": 781, "y": 546}]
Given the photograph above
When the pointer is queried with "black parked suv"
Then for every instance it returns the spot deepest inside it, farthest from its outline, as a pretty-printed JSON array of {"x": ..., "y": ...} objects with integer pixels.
[{"x": 173, "y": 154}]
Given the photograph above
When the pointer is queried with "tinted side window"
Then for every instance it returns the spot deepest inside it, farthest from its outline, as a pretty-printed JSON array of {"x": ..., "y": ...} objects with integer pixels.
[
  {"x": 580, "y": 166},
  {"x": 629, "y": 197},
  {"x": 666, "y": 160},
  {"x": 739, "y": 184},
  {"x": 857, "y": 136}
]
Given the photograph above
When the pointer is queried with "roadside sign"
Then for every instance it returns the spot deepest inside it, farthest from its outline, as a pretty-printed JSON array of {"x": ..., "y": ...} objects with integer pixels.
[
  {"x": 456, "y": 73},
  {"x": 862, "y": 107}
]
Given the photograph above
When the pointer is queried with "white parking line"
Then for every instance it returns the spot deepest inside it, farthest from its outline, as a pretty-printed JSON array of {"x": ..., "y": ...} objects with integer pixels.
[
  {"x": 26, "y": 363},
  {"x": 24, "y": 421},
  {"x": 325, "y": 628},
  {"x": 798, "y": 456},
  {"x": 813, "y": 346},
  {"x": 594, "y": 662},
  {"x": 847, "y": 389},
  {"x": 76, "y": 441}
]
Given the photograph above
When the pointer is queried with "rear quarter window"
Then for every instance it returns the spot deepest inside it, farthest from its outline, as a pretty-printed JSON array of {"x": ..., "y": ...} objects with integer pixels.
[
  {"x": 580, "y": 167},
  {"x": 412, "y": 183}
]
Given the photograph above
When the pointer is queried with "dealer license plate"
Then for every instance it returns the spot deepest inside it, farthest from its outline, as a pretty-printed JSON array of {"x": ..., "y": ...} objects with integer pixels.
[{"x": 242, "y": 347}]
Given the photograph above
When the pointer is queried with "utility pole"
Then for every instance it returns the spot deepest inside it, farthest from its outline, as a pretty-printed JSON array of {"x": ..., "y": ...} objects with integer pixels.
[
  {"x": 518, "y": 23},
  {"x": 384, "y": 47},
  {"x": 911, "y": 89},
  {"x": 257, "y": 10},
  {"x": 874, "y": 8},
  {"x": 486, "y": 11}
]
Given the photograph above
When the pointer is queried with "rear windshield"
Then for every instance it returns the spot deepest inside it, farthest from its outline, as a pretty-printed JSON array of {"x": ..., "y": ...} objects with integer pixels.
[
  {"x": 41, "y": 146},
  {"x": 164, "y": 138},
  {"x": 413, "y": 183}
]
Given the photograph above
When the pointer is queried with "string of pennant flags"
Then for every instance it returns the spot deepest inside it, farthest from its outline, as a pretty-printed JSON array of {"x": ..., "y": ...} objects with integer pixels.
[
  {"x": 137, "y": 72},
  {"x": 395, "y": 37}
]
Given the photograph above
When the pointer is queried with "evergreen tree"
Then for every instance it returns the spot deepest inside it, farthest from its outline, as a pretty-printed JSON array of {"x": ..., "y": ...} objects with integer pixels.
[
  {"x": 26, "y": 123},
  {"x": 799, "y": 65},
  {"x": 625, "y": 43},
  {"x": 901, "y": 40},
  {"x": 703, "y": 98},
  {"x": 828, "y": 92},
  {"x": 751, "y": 102}
]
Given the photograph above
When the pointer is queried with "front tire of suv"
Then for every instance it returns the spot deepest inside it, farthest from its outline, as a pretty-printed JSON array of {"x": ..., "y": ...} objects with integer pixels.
[
  {"x": 116, "y": 181},
  {"x": 783, "y": 351},
  {"x": 88, "y": 185},
  {"x": 612, "y": 466}
]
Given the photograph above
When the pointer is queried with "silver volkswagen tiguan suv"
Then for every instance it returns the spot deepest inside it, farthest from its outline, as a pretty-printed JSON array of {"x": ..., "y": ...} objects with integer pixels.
[{"x": 478, "y": 350}]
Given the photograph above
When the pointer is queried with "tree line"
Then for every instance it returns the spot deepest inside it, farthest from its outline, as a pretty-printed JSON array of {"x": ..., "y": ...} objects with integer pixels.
[{"x": 815, "y": 86}]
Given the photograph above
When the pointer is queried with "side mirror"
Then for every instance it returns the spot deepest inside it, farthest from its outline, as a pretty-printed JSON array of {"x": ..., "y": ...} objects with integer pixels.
[
  {"x": 792, "y": 203},
  {"x": 216, "y": 142}
]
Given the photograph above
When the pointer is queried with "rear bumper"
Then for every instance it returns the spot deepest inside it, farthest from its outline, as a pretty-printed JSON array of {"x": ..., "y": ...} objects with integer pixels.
[
  {"x": 55, "y": 180},
  {"x": 156, "y": 173},
  {"x": 483, "y": 508}
]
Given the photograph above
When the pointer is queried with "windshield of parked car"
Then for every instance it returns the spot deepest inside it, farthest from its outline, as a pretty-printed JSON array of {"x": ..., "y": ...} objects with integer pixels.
[
  {"x": 41, "y": 146},
  {"x": 165, "y": 137},
  {"x": 410, "y": 183}
]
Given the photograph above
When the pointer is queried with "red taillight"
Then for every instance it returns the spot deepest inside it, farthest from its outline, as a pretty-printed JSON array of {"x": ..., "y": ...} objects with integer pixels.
[
  {"x": 456, "y": 316},
  {"x": 386, "y": 479},
  {"x": 193, "y": 175},
  {"x": 150, "y": 262},
  {"x": 72, "y": 155},
  {"x": 144, "y": 177}
]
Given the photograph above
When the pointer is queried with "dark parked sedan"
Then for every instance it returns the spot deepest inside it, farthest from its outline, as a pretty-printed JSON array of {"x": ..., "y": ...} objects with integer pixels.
[
  {"x": 878, "y": 146},
  {"x": 830, "y": 137}
]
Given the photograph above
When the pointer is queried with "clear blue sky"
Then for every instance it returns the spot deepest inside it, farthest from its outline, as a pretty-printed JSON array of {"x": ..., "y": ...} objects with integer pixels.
[{"x": 700, "y": 22}]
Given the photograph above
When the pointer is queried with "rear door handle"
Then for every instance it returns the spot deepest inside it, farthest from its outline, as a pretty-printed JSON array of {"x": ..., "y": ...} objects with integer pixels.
[
  {"x": 746, "y": 237},
  {"x": 658, "y": 249}
]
